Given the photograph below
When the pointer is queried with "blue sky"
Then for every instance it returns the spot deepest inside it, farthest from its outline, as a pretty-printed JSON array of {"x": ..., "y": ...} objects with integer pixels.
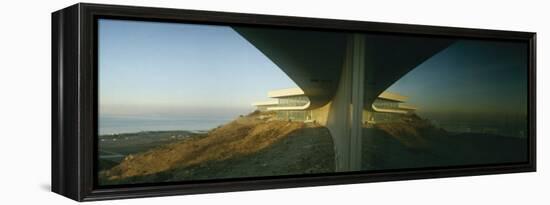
[
  {"x": 170, "y": 69},
  {"x": 154, "y": 69},
  {"x": 470, "y": 76}
]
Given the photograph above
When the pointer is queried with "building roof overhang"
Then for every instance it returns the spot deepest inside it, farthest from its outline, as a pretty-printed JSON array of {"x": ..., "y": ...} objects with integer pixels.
[
  {"x": 266, "y": 103},
  {"x": 288, "y": 92}
]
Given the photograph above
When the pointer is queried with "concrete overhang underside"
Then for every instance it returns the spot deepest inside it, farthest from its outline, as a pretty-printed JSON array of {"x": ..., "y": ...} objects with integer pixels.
[
  {"x": 314, "y": 59},
  {"x": 336, "y": 67}
]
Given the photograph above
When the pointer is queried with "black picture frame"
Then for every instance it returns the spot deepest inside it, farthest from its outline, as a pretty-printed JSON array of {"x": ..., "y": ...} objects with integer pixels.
[{"x": 74, "y": 101}]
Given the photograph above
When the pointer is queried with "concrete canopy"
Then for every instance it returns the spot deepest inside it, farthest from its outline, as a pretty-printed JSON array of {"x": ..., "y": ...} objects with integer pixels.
[
  {"x": 390, "y": 57},
  {"x": 347, "y": 70},
  {"x": 314, "y": 59}
]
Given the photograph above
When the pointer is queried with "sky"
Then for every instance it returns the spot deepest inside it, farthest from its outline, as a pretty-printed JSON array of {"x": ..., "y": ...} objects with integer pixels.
[
  {"x": 170, "y": 69},
  {"x": 470, "y": 77}
]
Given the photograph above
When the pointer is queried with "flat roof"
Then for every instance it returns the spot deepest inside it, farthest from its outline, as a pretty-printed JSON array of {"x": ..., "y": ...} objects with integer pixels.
[
  {"x": 285, "y": 92},
  {"x": 267, "y": 102},
  {"x": 393, "y": 96}
]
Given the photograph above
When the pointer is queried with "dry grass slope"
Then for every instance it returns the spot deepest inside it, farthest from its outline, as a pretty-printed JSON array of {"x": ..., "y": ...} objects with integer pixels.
[
  {"x": 255, "y": 145},
  {"x": 242, "y": 136}
]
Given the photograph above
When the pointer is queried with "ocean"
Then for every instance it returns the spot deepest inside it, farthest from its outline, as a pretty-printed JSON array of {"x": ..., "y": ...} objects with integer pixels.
[{"x": 117, "y": 125}]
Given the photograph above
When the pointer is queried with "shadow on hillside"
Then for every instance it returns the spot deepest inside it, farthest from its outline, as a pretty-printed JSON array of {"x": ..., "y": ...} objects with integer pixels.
[
  {"x": 303, "y": 151},
  {"x": 382, "y": 151},
  {"x": 385, "y": 147}
]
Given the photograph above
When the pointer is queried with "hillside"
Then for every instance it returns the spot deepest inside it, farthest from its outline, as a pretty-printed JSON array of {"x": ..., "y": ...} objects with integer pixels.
[
  {"x": 415, "y": 143},
  {"x": 236, "y": 149},
  {"x": 113, "y": 148},
  {"x": 256, "y": 145}
]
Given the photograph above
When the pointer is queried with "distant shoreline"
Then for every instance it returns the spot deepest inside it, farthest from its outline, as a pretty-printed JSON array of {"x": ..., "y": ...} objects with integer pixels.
[
  {"x": 154, "y": 132},
  {"x": 110, "y": 126}
]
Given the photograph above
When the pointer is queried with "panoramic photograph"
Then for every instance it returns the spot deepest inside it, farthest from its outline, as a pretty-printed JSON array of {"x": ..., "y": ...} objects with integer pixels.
[{"x": 188, "y": 102}]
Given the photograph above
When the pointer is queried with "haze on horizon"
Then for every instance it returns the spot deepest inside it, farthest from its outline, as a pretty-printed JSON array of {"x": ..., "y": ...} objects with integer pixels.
[
  {"x": 171, "y": 69},
  {"x": 154, "y": 69},
  {"x": 472, "y": 79}
]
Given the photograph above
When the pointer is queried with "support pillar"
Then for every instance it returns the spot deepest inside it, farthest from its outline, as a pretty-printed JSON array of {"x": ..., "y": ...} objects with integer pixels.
[
  {"x": 346, "y": 111},
  {"x": 357, "y": 96}
]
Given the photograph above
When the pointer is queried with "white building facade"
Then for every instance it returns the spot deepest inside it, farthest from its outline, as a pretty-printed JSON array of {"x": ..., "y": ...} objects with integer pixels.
[{"x": 292, "y": 104}]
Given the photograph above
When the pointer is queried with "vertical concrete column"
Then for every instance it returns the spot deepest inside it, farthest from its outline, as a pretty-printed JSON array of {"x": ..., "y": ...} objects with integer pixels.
[
  {"x": 345, "y": 114},
  {"x": 338, "y": 120},
  {"x": 358, "y": 78}
]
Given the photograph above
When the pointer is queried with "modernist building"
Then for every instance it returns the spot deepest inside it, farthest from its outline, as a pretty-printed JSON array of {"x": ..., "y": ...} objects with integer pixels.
[
  {"x": 293, "y": 104},
  {"x": 342, "y": 74}
]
